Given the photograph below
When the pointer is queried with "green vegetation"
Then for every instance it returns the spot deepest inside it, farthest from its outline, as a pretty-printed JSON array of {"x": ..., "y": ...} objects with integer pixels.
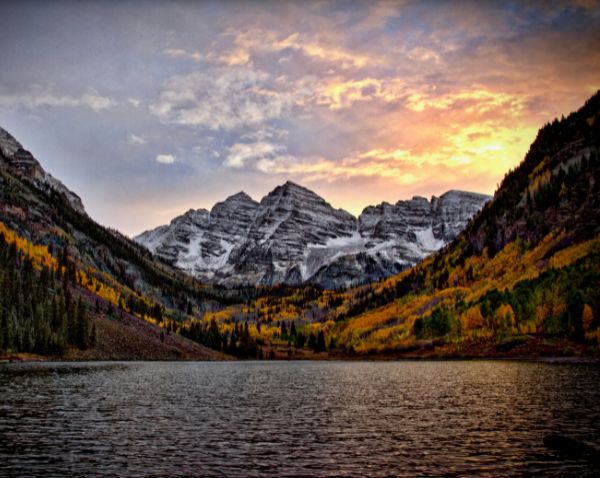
[{"x": 38, "y": 313}]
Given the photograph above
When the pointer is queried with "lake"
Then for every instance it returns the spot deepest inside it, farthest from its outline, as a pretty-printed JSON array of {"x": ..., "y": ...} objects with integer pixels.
[{"x": 438, "y": 418}]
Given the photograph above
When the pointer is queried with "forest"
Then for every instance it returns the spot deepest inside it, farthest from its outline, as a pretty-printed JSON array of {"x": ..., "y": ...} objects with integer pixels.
[{"x": 38, "y": 312}]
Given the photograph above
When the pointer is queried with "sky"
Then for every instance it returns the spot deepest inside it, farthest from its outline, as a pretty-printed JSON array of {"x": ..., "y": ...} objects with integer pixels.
[{"x": 149, "y": 108}]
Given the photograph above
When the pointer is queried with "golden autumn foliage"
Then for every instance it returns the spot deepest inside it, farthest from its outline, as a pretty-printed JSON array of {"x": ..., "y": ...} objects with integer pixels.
[
  {"x": 391, "y": 325},
  {"x": 40, "y": 255},
  {"x": 504, "y": 320},
  {"x": 99, "y": 283},
  {"x": 587, "y": 317},
  {"x": 472, "y": 319}
]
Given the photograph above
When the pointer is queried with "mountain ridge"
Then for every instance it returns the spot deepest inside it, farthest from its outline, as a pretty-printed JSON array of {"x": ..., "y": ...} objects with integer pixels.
[
  {"x": 23, "y": 162},
  {"x": 65, "y": 280},
  {"x": 293, "y": 236},
  {"x": 521, "y": 280}
]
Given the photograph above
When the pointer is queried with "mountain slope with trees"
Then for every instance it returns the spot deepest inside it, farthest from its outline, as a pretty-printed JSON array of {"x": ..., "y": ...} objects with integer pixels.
[
  {"x": 62, "y": 274},
  {"x": 522, "y": 278},
  {"x": 525, "y": 269}
]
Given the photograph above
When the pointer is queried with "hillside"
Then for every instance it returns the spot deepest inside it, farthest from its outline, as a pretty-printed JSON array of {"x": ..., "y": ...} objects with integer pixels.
[
  {"x": 523, "y": 278},
  {"x": 526, "y": 265},
  {"x": 63, "y": 275}
]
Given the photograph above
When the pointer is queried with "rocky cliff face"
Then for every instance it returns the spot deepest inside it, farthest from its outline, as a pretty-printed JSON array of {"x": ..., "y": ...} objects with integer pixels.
[
  {"x": 25, "y": 165},
  {"x": 288, "y": 221},
  {"x": 294, "y": 236},
  {"x": 200, "y": 241}
]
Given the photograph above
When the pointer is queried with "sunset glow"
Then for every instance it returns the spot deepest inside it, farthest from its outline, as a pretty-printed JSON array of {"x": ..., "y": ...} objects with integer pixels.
[{"x": 186, "y": 103}]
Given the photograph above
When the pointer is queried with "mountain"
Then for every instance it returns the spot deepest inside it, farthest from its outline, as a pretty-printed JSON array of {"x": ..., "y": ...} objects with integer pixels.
[
  {"x": 294, "y": 236},
  {"x": 521, "y": 279},
  {"x": 71, "y": 287},
  {"x": 25, "y": 165}
]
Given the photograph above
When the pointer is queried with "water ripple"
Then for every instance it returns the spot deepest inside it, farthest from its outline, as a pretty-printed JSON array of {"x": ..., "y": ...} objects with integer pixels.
[{"x": 294, "y": 419}]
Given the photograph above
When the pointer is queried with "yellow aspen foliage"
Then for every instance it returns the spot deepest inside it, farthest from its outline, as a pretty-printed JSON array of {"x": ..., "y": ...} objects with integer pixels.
[
  {"x": 504, "y": 319},
  {"x": 587, "y": 317},
  {"x": 39, "y": 255},
  {"x": 540, "y": 167},
  {"x": 527, "y": 328},
  {"x": 571, "y": 254},
  {"x": 472, "y": 318}
]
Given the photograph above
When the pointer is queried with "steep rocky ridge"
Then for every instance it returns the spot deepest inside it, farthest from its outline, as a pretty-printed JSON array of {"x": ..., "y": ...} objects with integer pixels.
[
  {"x": 294, "y": 236},
  {"x": 42, "y": 210},
  {"x": 23, "y": 162}
]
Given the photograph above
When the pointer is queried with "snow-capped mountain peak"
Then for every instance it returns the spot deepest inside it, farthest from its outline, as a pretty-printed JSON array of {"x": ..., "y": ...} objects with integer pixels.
[{"x": 293, "y": 235}]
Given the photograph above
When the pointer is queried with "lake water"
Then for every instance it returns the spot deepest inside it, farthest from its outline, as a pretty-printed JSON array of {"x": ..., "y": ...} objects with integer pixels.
[{"x": 145, "y": 419}]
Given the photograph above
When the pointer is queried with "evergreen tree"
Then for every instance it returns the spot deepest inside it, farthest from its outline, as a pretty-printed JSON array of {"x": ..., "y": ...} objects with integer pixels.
[{"x": 320, "y": 345}]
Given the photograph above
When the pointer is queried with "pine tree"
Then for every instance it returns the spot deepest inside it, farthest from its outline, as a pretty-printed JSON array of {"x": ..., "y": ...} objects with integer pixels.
[
  {"x": 320, "y": 345},
  {"x": 82, "y": 326}
]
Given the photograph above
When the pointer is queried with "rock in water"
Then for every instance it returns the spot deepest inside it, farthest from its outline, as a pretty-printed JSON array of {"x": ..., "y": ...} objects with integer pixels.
[{"x": 572, "y": 447}]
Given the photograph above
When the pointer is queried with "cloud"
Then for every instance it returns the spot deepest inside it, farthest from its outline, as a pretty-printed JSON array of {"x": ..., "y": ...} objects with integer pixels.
[
  {"x": 362, "y": 96},
  {"x": 134, "y": 102},
  {"x": 134, "y": 139},
  {"x": 221, "y": 98},
  {"x": 242, "y": 153},
  {"x": 338, "y": 93},
  {"x": 47, "y": 98},
  {"x": 423, "y": 54},
  {"x": 165, "y": 159},
  {"x": 231, "y": 57},
  {"x": 477, "y": 100},
  {"x": 325, "y": 52},
  {"x": 265, "y": 133},
  {"x": 176, "y": 52},
  {"x": 455, "y": 157},
  {"x": 268, "y": 158},
  {"x": 317, "y": 47},
  {"x": 238, "y": 47}
]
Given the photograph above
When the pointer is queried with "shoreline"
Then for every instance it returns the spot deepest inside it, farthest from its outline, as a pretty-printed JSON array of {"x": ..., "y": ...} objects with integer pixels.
[{"x": 549, "y": 359}]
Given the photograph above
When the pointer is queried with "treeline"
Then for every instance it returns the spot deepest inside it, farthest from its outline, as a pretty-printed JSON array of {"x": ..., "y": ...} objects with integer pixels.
[
  {"x": 38, "y": 313},
  {"x": 238, "y": 342},
  {"x": 315, "y": 342},
  {"x": 560, "y": 302}
]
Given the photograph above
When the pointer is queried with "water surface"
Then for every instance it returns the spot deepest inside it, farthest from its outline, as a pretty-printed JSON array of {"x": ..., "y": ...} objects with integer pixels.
[{"x": 145, "y": 419}]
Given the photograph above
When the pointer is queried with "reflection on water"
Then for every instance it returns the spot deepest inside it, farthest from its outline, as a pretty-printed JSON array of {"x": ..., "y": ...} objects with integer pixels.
[{"x": 294, "y": 418}]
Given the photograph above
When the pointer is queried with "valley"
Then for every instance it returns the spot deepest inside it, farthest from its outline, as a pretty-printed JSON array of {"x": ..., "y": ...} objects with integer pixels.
[{"x": 271, "y": 279}]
